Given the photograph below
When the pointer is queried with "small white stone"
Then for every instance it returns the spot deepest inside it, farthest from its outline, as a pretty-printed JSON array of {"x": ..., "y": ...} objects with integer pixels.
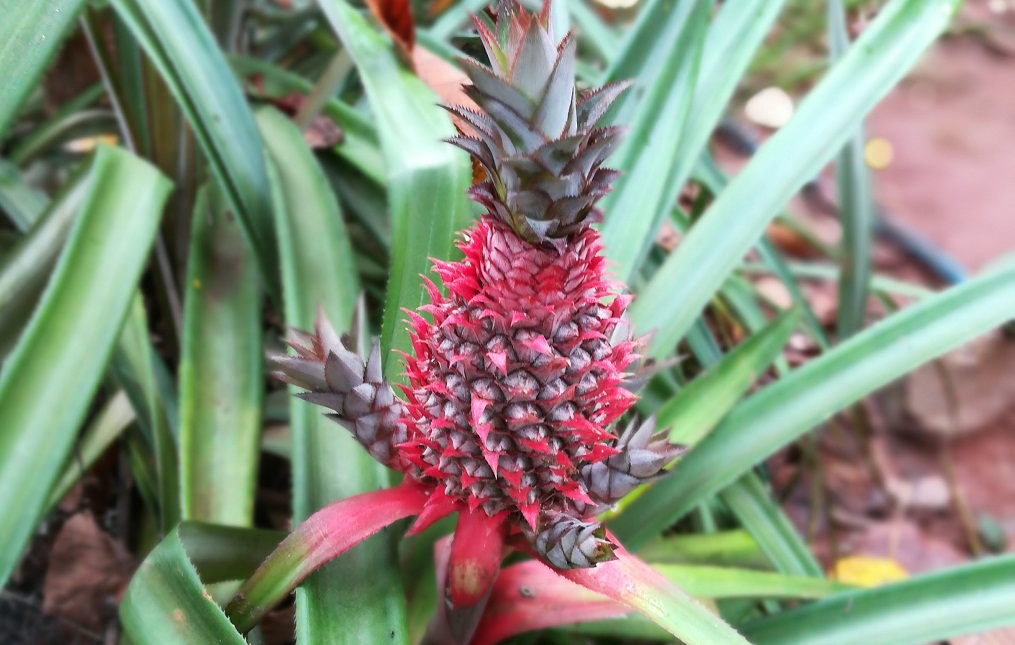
[{"x": 771, "y": 107}]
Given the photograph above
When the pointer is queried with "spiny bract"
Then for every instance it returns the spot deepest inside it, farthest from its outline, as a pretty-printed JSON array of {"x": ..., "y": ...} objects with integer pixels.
[{"x": 518, "y": 376}]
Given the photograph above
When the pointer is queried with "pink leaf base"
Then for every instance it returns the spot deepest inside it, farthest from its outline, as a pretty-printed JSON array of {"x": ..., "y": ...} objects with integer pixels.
[
  {"x": 530, "y": 596},
  {"x": 320, "y": 539}
]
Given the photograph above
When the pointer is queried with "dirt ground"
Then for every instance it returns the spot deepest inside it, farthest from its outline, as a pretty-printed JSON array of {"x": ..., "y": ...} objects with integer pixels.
[{"x": 934, "y": 482}]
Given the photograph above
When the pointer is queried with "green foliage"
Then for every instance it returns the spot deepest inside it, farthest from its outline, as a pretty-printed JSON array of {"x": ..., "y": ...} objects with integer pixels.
[
  {"x": 61, "y": 354},
  {"x": 777, "y": 414},
  {"x": 134, "y": 317},
  {"x": 220, "y": 370},
  {"x": 30, "y": 36},
  {"x": 318, "y": 272},
  {"x": 737, "y": 218},
  {"x": 174, "y": 574},
  {"x": 964, "y": 599}
]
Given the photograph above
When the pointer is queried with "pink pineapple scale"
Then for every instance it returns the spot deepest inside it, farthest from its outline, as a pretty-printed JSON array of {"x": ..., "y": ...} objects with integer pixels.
[{"x": 514, "y": 382}]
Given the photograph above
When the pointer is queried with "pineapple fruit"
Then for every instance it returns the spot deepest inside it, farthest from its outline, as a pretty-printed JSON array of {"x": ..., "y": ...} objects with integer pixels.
[{"x": 518, "y": 375}]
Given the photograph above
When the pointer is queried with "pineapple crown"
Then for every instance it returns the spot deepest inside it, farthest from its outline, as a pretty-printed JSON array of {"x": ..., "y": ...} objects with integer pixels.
[{"x": 535, "y": 138}]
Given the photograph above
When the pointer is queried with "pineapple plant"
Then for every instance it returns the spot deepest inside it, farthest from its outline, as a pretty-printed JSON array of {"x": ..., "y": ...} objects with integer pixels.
[
  {"x": 512, "y": 417},
  {"x": 519, "y": 374}
]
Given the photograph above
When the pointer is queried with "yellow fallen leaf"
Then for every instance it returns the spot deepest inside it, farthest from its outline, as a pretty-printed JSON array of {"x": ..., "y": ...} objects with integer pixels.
[
  {"x": 878, "y": 153},
  {"x": 868, "y": 571},
  {"x": 87, "y": 144}
]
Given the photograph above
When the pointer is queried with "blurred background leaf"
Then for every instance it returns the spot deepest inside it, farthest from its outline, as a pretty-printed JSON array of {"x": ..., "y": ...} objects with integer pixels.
[{"x": 63, "y": 351}]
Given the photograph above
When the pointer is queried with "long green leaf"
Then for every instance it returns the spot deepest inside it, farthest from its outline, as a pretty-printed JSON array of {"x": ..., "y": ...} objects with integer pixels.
[
  {"x": 30, "y": 35},
  {"x": 134, "y": 361},
  {"x": 166, "y": 602},
  {"x": 64, "y": 350},
  {"x": 783, "y": 411},
  {"x": 140, "y": 372},
  {"x": 653, "y": 149},
  {"x": 708, "y": 173},
  {"x": 856, "y": 203},
  {"x": 735, "y": 221},
  {"x": 359, "y": 144},
  {"x": 754, "y": 506},
  {"x": 736, "y": 32},
  {"x": 221, "y": 382},
  {"x": 697, "y": 408},
  {"x": 729, "y": 582},
  {"x": 179, "y": 44},
  {"x": 734, "y": 548},
  {"x": 116, "y": 415},
  {"x": 427, "y": 178},
  {"x": 734, "y": 36},
  {"x": 21, "y": 203},
  {"x": 357, "y": 596},
  {"x": 642, "y": 55},
  {"x": 930, "y": 608},
  {"x": 26, "y": 269}
]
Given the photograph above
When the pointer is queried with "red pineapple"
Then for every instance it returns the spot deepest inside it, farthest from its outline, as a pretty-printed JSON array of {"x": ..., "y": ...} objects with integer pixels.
[{"x": 517, "y": 376}]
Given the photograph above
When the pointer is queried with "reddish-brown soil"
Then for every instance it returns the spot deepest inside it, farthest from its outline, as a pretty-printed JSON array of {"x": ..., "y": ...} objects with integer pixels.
[
  {"x": 953, "y": 174},
  {"x": 952, "y": 179}
]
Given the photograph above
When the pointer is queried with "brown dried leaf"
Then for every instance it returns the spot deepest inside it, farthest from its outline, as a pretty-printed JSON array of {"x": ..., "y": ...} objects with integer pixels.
[
  {"x": 322, "y": 131},
  {"x": 396, "y": 18},
  {"x": 903, "y": 540},
  {"x": 444, "y": 79},
  {"x": 437, "y": 7},
  {"x": 788, "y": 241},
  {"x": 982, "y": 379},
  {"x": 447, "y": 81},
  {"x": 1004, "y": 636},
  {"x": 88, "y": 570}
]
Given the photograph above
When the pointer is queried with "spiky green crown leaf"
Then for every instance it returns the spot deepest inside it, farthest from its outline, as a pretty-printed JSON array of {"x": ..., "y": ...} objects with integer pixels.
[{"x": 536, "y": 140}]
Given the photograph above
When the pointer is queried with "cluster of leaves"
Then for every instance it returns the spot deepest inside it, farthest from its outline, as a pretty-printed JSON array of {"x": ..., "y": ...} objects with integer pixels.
[{"x": 142, "y": 272}]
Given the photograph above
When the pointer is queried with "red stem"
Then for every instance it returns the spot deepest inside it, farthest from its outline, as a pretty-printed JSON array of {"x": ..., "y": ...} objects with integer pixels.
[{"x": 476, "y": 552}]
